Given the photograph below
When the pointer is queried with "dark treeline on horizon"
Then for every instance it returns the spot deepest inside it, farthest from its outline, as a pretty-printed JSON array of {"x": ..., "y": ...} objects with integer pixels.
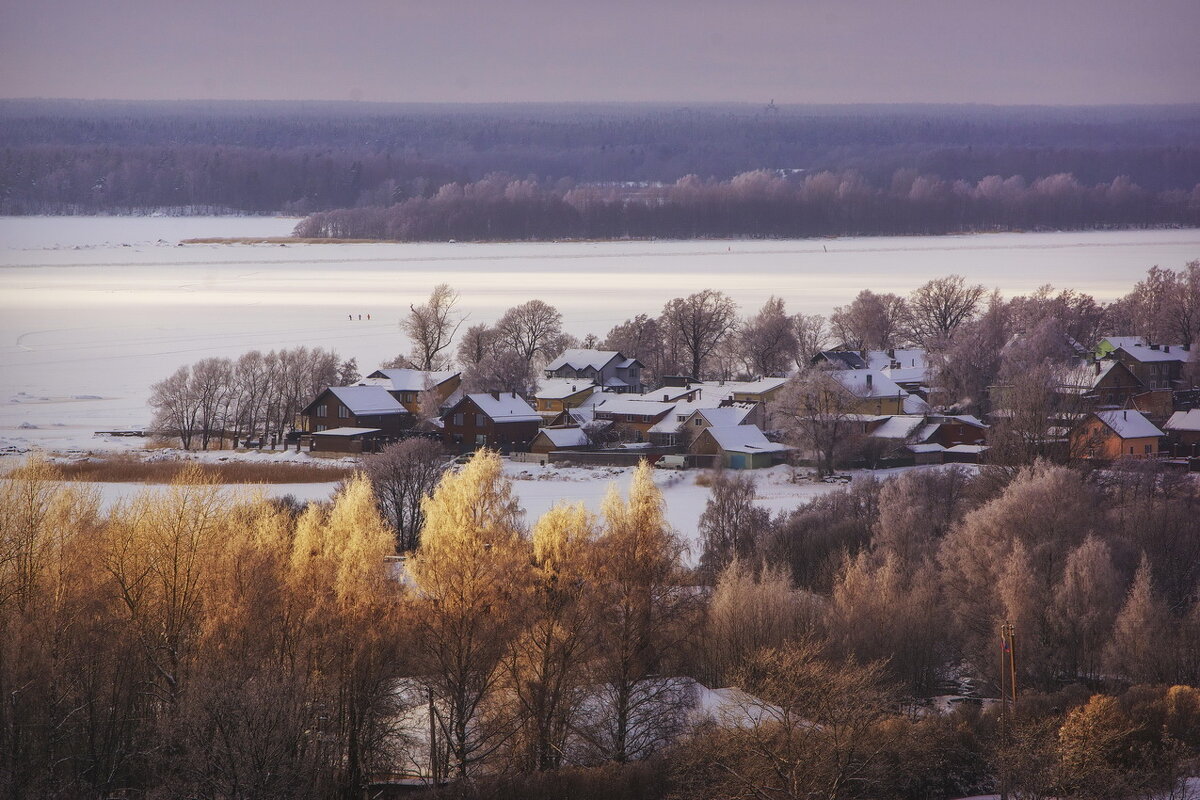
[
  {"x": 103, "y": 157},
  {"x": 757, "y": 204}
]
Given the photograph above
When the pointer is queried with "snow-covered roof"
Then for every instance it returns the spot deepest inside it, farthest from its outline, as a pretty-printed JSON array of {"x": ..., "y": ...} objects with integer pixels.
[
  {"x": 582, "y": 359},
  {"x": 410, "y": 380},
  {"x": 625, "y": 404},
  {"x": 672, "y": 393},
  {"x": 724, "y": 417},
  {"x": 844, "y": 359},
  {"x": 926, "y": 448},
  {"x": 1184, "y": 421},
  {"x": 1129, "y": 424},
  {"x": 1124, "y": 341},
  {"x": 855, "y": 380},
  {"x": 744, "y": 439},
  {"x": 566, "y": 437},
  {"x": 913, "y": 404},
  {"x": 367, "y": 400},
  {"x": 346, "y": 431},
  {"x": 558, "y": 388},
  {"x": 508, "y": 407},
  {"x": 898, "y": 427},
  {"x": 967, "y": 448},
  {"x": 1165, "y": 352},
  {"x": 759, "y": 386},
  {"x": 907, "y": 358},
  {"x": 925, "y": 431}
]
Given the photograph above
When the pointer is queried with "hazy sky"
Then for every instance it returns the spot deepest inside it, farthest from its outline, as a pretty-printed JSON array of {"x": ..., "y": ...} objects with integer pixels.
[{"x": 822, "y": 51}]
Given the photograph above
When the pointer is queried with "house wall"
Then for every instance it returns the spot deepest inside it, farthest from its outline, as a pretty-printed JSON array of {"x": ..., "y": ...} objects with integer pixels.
[
  {"x": 389, "y": 424},
  {"x": 1094, "y": 439},
  {"x": 411, "y": 400},
  {"x": 476, "y": 429}
]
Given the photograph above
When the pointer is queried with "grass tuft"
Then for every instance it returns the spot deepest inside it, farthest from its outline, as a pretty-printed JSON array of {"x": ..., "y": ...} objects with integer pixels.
[{"x": 128, "y": 469}]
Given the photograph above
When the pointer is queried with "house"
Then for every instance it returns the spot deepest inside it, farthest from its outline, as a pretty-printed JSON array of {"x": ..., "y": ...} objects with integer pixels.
[
  {"x": 1109, "y": 435},
  {"x": 607, "y": 368},
  {"x": 631, "y": 418},
  {"x": 739, "y": 447},
  {"x": 499, "y": 420},
  {"x": 684, "y": 424},
  {"x": 763, "y": 390},
  {"x": 908, "y": 368},
  {"x": 406, "y": 385},
  {"x": 1157, "y": 366},
  {"x": 356, "y": 407},
  {"x": 1103, "y": 384},
  {"x": 1183, "y": 433},
  {"x": 556, "y": 395},
  {"x": 1109, "y": 344},
  {"x": 550, "y": 439},
  {"x": 346, "y": 440},
  {"x": 877, "y": 394}
]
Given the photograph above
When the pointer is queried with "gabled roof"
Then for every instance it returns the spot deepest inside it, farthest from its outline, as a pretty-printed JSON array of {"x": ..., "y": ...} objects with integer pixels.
[
  {"x": 1129, "y": 424},
  {"x": 508, "y": 407},
  {"x": 898, "y": 427},
  {"x": 565, "y": 437},
  {"x": 582, "y": 359},
  {"x": 842, "y": 359},
  {"x": 744, "y": 439},
  {"x": 367, "y": 400},
  {"x": 907, "y": 358},
  {"x": 624, "y": 404},
  {"x": 914, "y": 404},
  {"x": 760, "y": 386},
  {"x": 1156, "y": 353},
  {"x": 724, "y": 417},
  {"x": 855, "y": 381},
  {"x": 410, "y": 380},
  {"x": 1184, "y": 421},
  {"x": 558, "y": 388}
]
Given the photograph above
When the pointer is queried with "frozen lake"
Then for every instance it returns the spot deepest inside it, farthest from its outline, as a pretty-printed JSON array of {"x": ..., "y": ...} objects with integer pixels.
[{"x": 93, "y": 310}]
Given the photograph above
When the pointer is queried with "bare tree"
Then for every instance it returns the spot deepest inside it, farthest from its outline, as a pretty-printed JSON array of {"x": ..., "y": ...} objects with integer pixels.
[
  {"x": 503, "y": 370},
  {"x": 640, "y": 338},
  {"x": 871, "y": 322},
  {"x": 176, "y": 408},
  {"x": 812, "y": 336},
  {"x": 477, "y": 342},
  {"x": 402, "y": 476},
  {"x": 731, "y": 524},
  {"x": 819, "y": 415},
  {"x": 529, "y": 328},
  {"x": 767, "y": 341},
  {"x": 936, "y": 309},
  {"x": 699, "y": 323},
  {"x": 432, "y": 326}
]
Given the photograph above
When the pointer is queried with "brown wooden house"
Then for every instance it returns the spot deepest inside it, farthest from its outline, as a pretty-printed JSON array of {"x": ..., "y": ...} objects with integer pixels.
[
  {"x": 406, "y": 385},
  {"x": 1109, "y": 435},
  {"x": 497, "y": 420},
  {"x": 356, "y": 407}
]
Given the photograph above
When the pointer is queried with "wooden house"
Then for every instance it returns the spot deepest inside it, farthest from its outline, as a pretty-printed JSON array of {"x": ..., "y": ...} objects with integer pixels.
[
  {"x": 875, "y": 392},
  {"x": 738, "y": 447},
  {"x": 356, "y": 407},
  {"x": 607, "y": 368},
  {"x": 1183, "y": 433},
  {"x": 407, "y": 385},
  {"x": 1156, "y": 366},
  {"x": 551, "y": 439},
  {"x": 1109, "y": 435},
  {"x": 347, "y": 440},
  {"x": 631, "y": 418},
  {"x": 498, "y": 420},
  {"x": 557, "y": 395}
]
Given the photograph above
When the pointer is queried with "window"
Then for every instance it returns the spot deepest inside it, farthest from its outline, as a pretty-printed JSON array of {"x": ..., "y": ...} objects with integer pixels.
[
  {"x": 1147, "y": 449},
  {"x": 322, "y": 411},
  {"x": 480, "y": 440},
  {"x": 479, "y": 423},
  {"x": 698, "y": 422},
  {"x": 458, "y": 419},
  {"x": 320, "y": 427},
  {"x": 343, "y": 412},
  {"x": 407, "y": 397}
]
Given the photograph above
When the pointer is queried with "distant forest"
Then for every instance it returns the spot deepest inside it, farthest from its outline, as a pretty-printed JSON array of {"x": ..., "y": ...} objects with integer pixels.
[{"x": 918, "y": 169}]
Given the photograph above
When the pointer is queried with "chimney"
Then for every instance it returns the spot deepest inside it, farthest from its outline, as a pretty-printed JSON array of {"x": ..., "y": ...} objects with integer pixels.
[
  {"x": 1153, "y": 347},
  {"x": 514, "y": 395},
  {"x": 892, "y": 353},
  {"x": 868, "y": 380},
  {"x": 1125, "y": 415},
  {"x": 1166, "y": 348},
  {"x": 666, "y": 398},
  {"x": 495, "y": 393}
]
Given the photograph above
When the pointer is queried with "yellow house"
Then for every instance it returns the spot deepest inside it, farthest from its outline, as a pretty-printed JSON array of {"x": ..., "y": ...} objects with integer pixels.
[
  {"x": 1109, "y": 435},
  {"x": 556, "y": 395},
  {"x": 875, "y": 392}
]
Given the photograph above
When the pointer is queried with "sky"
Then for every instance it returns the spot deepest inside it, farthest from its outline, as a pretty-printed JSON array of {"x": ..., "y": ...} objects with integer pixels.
[{"x": 678, "y": 51}]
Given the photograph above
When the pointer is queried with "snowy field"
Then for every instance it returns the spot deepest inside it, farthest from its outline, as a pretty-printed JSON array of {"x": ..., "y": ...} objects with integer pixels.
[{"x": 94, "y": 310}]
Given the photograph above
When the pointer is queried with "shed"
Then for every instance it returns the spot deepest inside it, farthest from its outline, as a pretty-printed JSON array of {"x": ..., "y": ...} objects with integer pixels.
[
  {"x": 739, "y": 446},
  {"x": 346, "y": 440}
]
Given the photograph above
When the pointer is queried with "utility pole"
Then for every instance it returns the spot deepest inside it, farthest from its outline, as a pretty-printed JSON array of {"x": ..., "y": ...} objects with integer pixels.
[{"x": 1008, "y": 691}]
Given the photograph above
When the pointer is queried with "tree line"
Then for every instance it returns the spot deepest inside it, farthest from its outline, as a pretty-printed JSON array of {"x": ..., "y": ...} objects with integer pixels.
[
  {"x": 87, "y": 158},
  {"x": 757, "y": 204},
  {"x": 194, "y": 643}
]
